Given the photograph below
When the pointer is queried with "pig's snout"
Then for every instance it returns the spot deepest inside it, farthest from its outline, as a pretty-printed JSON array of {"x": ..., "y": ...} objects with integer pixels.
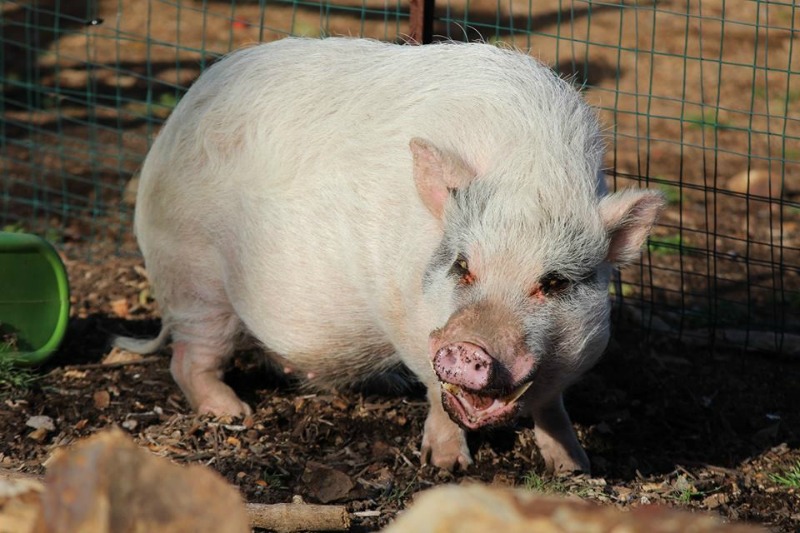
[{"x": 464, "y": 364}]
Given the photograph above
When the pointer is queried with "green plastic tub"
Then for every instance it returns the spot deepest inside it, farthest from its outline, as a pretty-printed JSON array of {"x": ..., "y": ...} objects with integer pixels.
[{"x": 34, "y": 298}]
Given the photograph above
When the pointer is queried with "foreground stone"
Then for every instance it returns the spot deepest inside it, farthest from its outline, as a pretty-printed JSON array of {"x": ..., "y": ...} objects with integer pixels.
[
  {"x": 481, "y": 509},
  {"x": 107, "y": 484}
]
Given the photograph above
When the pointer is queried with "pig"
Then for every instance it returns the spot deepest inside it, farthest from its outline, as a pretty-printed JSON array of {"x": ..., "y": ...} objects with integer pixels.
[{"x": 355, "y": 205}]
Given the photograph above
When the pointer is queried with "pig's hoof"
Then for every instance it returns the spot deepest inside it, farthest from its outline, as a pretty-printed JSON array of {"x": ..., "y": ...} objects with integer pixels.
[
  {"x": 224, "y": 407},
  {"x": 448, "y": 455},
  {"x": 563, "y": 464}
]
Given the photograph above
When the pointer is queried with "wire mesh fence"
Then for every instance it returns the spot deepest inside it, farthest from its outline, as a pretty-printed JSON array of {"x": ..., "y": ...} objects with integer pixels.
[{"x": 701, "y": 100}]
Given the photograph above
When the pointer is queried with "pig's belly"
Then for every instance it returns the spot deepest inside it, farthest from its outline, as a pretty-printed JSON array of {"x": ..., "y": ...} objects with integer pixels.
[
  {"x": 317, "y": 337},
  {"x": 295, "y": 296}
]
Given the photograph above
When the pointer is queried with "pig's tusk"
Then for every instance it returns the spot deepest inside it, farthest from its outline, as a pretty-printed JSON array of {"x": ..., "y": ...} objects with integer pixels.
[{"x": 514, "y": 396}]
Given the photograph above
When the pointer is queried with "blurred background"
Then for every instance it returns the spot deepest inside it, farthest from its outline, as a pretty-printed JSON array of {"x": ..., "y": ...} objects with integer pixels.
[{"x": 700, "y": 100}]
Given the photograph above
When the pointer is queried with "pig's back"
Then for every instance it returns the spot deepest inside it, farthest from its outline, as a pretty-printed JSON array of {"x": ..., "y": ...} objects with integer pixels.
[
  {"x": 276, "y": 123},
  {"x": 325, "y": 99}
]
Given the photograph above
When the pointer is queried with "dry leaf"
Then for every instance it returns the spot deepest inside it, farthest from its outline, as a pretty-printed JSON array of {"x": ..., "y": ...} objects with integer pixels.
[
  {"x": 38, "y": 434},
  {"x": 74, "y": 374},
  {"x": 120, "y": 308},
  {"x": 118, "y": 355},
  {"x": 101, "y": 399}
]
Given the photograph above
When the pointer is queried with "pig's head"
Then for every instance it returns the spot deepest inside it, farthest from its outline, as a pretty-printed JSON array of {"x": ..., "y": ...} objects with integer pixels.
[{"x": 520, "y": 278}]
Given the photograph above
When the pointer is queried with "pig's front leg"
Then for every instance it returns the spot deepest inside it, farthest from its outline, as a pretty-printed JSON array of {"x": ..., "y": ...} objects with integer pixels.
[
  {"x": 444, "y": 443},
  {"x": 556, "y": 438}
]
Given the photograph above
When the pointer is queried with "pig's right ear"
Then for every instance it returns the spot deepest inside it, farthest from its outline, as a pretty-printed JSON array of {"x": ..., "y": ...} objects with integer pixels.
[
  {"x": 436, "y": 173},
  {"x": 628, "y": 217}
]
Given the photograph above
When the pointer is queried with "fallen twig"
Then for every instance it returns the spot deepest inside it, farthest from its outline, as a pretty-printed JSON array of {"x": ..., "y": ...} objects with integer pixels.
[
  {"x": 13, "y": 475},
  {"x": 290, "y": 517},
  {"x": 117, "y": 364}
]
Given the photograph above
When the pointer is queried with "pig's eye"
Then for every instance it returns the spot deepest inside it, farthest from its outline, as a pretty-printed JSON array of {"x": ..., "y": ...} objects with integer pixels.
[
  {"x": 461, "y": 269},
  {"x": 553, "y": 284}
]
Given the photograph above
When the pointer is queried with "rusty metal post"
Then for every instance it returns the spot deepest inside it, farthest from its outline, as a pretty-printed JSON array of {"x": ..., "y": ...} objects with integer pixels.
[{"x": 421, "y": 15}]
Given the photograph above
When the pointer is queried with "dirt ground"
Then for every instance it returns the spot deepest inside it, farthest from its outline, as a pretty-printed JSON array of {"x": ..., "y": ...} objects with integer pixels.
[{"x": 662, "y": 424}]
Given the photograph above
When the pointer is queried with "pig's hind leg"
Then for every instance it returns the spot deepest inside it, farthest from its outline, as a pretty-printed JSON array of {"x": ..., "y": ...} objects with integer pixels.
[
  {"x": 203, "y": 345},
  {"x": 199, "y": 355}
]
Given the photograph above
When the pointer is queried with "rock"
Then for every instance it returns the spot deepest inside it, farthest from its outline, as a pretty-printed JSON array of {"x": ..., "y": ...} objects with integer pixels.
[
  {"x": 106, "y": 483},
  {"x": 757, "y": 182},
  {"x": 131, "y": 189},
  {"x": 72, "y": 78},
  {"x": 477, "y": 508},
  {"x": 326, "y": 484},
  {"x": 41, "y": 422},
  {"x": 20, "y": 503}
]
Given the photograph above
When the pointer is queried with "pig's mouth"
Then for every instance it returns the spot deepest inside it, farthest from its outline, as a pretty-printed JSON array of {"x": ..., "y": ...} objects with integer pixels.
[{"x": 472, "y": 411}]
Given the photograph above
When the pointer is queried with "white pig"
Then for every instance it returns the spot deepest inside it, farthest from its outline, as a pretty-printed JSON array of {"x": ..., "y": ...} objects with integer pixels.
[{"x": 353, "y": 205}]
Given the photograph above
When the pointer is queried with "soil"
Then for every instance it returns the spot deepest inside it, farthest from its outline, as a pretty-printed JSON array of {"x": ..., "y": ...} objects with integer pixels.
[{"x": 663, "y": 422}]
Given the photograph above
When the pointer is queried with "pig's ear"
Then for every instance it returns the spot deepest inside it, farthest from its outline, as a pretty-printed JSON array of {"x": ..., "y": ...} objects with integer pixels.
[
  {"x": 436, "y": 173},
  {"x": 628, "y": 217}
]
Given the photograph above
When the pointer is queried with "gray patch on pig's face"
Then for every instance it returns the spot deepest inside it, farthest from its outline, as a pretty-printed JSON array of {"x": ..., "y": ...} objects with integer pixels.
[
  {"x": 440, "y": 261},
  {"x": 579, "y": 331},
  {"x": 467, "y": 204},
  {"x": 529, "y": 228}
]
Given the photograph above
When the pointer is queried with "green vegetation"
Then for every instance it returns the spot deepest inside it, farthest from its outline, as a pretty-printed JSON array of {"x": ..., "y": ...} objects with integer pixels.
[
  {"x": 684, "y": 491},
  {"x": 14, "y": 380},
  {"x": 400, "y": 495},
  {"x": 51, "y": 234},
  {"x": 671, "y": 244},
  {"x": 14, "y": 227},
  {"x": 672, "y": 193},
  {"x": 788, "y": 478},
  {"x": 547, "y": 485},
  {"x": 704, "y": 120},
  {"x": 168, "y": 100},
  {"x": 305, "y": 29},
  {"x": 274, "y": 480},
  {"x": 627, "y": 289},
  {"x": 781, "y": 100}
]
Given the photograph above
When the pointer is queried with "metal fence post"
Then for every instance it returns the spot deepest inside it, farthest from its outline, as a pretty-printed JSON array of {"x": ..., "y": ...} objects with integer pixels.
[{"x": 421, "y": 15}]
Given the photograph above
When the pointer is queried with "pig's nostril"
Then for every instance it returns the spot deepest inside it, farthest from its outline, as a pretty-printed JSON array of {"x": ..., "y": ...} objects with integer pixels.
[{"x": 463, "y": 364}]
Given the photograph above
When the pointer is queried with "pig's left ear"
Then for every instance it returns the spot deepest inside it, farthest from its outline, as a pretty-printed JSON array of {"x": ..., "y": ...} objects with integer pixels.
[
  {"x": 628, "y": 217},
  {"x": 436, "y": 173}
]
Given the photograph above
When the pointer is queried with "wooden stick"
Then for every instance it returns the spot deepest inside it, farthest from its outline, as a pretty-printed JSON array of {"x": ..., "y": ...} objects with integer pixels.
[
  {"x": 290, "y": 517},
  {"x": 92, "y": 366},
  {"x": 13, "y": 475},
  {"x": 421, "y": 21}
]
